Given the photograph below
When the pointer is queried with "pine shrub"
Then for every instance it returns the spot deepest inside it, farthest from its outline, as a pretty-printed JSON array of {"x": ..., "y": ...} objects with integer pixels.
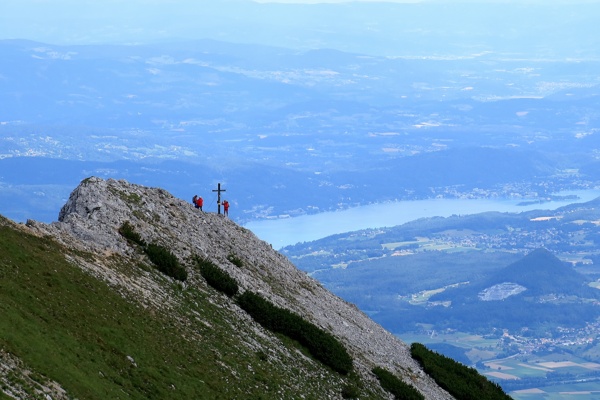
[
  {"x": 128, "y": 232},
  {"x": 350, "y": 392},
  {"x": 459, "y": 380},
  {"x": 217, "y": 278},
  {"x": 165, "y": 261},
  {"x": 396, "y": 386},
  {"x": 235, "y": 260},
  {"x": 322, "y": 345}
]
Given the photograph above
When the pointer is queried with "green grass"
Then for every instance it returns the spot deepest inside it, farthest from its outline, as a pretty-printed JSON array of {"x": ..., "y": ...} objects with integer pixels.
[
  {"x": 66, "y": 324},
  {"x": 5, "y": 397},
  {"x": 70, "y": 327}
]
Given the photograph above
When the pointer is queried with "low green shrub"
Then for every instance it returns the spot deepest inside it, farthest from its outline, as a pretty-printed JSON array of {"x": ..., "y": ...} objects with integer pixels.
[
  {"x": 396, "y": 386},
  {"x": 165, "y": 261},
  {"x": 217, "y": 278},
  {"x": 322, "y": 345},
  {"x": 235, "y": 260},
  {"x": 459, "y": 380},
  {"x": 350, "y": 392},
  {"x": 128, "y": 232}
]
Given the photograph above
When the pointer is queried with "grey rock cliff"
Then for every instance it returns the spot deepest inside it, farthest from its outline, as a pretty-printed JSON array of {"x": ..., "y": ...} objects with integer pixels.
[{"x": 97, "y": 208}]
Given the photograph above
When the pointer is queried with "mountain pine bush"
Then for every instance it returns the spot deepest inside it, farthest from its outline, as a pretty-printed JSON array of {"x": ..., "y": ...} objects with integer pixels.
[
  {"x": 235, "y": 260},
  {"x": 165, "y": 261},
  {"x": 128, "y": 232},
  {"x": 217, "y": 278},
  {"x": 459, "y": 380},
  {"x": 396, "y": 386},
  {"x": 322, "y": 345}
]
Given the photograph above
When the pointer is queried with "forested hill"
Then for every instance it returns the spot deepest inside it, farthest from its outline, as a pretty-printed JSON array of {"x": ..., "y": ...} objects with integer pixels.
[{"x": 542, "y": 273}]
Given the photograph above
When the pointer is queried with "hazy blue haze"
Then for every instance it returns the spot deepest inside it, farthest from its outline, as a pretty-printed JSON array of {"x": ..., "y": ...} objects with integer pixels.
[
  {"x": 428, "y": 28},
  {"x": 309, "y": 126},
  {"x": 289, "y": 132}
]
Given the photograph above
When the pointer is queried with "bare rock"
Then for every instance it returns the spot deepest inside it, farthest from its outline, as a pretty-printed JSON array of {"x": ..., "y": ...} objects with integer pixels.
[{"x": 97, "y": 208}]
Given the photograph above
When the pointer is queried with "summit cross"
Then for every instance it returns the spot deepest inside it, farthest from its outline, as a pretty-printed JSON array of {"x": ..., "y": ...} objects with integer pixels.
[{"x": 219, "y": 190}]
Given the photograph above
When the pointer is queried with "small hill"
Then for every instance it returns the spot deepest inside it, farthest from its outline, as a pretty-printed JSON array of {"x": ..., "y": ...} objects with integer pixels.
[
  {"x": 541, "y": 273},
  {"x": 534, "y": 276},
  {"x": 87, "y": 314},
  {"x": 533, "y": 292}
]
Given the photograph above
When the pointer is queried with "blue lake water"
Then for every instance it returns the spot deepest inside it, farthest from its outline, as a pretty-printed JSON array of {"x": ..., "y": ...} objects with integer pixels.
[{"x": 286, "y": 231}]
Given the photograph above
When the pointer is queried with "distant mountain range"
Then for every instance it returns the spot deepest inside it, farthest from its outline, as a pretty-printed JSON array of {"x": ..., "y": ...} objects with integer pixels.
[
  {"x": 433, "y": 29},
  {"x": 290, "y": 132}
]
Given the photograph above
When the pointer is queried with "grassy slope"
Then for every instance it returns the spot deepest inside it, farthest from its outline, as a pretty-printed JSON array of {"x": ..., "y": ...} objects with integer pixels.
[{"x": 74, "y": 329}]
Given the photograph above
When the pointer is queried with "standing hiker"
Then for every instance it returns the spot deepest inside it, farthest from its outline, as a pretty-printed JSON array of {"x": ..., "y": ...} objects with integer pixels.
[
  {"x": 199, "y": 203},
  {"x": 226, "y": 207}
]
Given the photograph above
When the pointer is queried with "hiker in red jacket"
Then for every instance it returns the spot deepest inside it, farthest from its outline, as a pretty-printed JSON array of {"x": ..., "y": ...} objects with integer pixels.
[
  {"x": 226, "y": 207},
  {"x": 199, "y": 203}
]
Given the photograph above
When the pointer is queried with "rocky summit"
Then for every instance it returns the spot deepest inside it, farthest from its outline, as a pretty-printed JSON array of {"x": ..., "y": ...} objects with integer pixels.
[{"x": 88, "y": 228}]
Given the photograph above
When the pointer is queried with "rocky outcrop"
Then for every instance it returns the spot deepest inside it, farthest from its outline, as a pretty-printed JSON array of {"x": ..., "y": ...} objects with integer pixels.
[
  {"x": 27, "y": 386},
  {"x": 501, "y": 291},
  {"x": 97, "y": 208}
]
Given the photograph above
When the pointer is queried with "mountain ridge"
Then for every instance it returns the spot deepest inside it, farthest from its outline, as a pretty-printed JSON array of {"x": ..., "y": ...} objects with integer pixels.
[{"x": 89, "y": 222}]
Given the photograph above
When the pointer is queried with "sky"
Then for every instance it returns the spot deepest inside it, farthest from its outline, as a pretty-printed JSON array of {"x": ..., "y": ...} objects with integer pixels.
[
  {"x": 335, "y": 1},
  {"x": 367, "y": 26},
  {"x": 139, "y": 21}
]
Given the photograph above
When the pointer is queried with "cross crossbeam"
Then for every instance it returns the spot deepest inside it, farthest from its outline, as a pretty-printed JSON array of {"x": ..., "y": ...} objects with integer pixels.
[{"x": 219, "y": 190}]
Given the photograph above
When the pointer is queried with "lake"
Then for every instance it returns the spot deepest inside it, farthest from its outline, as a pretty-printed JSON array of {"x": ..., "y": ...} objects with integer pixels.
[{"x": 287, "y": 231}]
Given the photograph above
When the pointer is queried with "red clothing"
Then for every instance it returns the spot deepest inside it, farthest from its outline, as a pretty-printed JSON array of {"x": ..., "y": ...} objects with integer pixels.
[
  {"x": 226, "y": 207},
  {"x": 199, "y": 201}
]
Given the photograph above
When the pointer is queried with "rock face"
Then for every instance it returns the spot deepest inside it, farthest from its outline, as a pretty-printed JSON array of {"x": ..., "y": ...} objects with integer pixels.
[
  {"x": 501, "y": 291},
  {"x": 97, "y": 208}
]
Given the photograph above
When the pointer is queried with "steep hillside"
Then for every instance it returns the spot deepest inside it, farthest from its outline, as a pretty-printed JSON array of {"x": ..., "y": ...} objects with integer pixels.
[
  {"x": 532, "y": 293},
  {"x": 86, "y": 315},
  {"x": 541, "y": 273},
  {"x": 537, "y": 276}
]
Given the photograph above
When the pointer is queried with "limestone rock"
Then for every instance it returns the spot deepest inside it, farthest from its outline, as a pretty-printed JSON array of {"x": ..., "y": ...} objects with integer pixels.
[{"x": 96, "y": 209}]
